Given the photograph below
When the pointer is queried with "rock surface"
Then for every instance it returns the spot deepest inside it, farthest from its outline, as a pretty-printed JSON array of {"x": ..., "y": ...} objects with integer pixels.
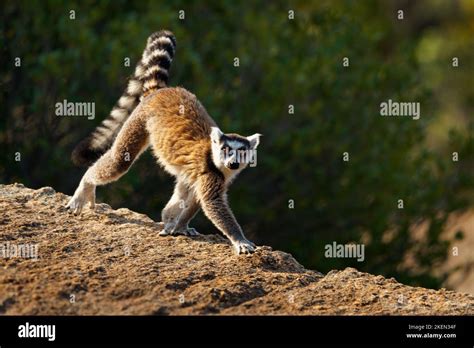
[{"x": 113, "y": 262}]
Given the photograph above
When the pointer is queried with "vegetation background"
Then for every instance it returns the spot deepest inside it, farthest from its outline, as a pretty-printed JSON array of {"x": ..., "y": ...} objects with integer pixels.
[{"x": 282, "y": 62}]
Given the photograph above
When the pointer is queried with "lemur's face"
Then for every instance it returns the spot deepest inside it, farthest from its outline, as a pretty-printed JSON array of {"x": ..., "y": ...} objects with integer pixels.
[{"x": 232, "y": 151}]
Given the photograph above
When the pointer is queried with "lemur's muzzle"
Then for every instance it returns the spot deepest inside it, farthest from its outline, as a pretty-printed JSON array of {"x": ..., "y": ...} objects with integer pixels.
[{"x": 233, "y": 165}]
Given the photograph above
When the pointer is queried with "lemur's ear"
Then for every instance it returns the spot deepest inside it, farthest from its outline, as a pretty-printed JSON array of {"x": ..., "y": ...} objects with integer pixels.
[
  {"x": 254, "y": 140},
  {"x": 216, "y": 135}
]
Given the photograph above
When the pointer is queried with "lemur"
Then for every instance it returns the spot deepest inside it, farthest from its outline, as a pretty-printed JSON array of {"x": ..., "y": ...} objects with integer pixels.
[{"x": 183, "y": 137}]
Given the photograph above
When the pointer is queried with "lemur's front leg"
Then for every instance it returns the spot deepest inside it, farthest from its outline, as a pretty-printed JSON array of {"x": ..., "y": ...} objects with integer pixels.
[
  {"x": 189, "y": 211},
  {"x": 211, "y": 192},
  {"x": 181, "y": 208}
]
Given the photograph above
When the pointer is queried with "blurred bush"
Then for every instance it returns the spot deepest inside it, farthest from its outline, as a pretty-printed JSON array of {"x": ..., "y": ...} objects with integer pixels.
[{"x": 282, "y": 62}]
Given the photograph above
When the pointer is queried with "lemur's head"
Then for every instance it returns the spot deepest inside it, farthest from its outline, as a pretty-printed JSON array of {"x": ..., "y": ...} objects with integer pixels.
[{"x": 233, "y": 152}]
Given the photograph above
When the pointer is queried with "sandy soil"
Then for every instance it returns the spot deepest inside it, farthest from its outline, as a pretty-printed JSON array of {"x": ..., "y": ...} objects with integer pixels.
[{"x": 113, "y": 262}]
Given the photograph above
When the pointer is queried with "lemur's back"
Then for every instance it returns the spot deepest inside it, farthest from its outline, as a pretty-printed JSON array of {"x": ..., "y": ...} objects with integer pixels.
[{"x": 179, "y": 129}]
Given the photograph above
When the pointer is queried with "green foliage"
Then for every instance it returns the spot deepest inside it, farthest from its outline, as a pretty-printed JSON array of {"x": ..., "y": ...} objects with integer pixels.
[{"x": 282, "y": 62}]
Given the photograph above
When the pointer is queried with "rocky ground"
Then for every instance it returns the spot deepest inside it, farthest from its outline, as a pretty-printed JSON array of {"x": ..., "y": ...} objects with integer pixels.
[{"x": 113, "y": 262}]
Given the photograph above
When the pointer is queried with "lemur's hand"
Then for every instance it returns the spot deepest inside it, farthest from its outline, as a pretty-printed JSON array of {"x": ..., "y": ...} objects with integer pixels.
[
  {"x": 173, "y": 230},
  {"x": 244, "y": 246},
  {"x": 85, "y": 193}
]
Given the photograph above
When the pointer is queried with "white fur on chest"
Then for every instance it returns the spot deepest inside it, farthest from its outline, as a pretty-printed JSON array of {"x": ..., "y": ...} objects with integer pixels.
[{"x": 229, "y": 174}]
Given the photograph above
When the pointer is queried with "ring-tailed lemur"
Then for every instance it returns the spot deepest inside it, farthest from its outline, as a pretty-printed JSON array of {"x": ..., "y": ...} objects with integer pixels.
[{"x": 187, "y": 143}]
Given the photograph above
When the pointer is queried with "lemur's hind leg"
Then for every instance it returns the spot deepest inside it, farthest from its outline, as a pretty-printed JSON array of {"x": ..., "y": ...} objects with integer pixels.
[
  {"x": 181, "y": 208},
  {"x": 130, "y": 143}
]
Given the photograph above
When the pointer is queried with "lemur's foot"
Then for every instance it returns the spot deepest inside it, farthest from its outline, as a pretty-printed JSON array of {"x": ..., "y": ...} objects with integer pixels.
[
  {"x": 244, "y": 246},
  {"x": 173, "y": 231},
  {"x": 191, "y": 232},
  {"x": 84, "y": 194}
]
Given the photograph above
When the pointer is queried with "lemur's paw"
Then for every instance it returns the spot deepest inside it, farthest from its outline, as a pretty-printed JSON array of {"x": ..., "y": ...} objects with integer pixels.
[
  {"x": 188, "y": 231},
  {"x": 191, "y": 232},
  {"x": 81, "y": 197},
  {"x": 167, "y": 229},
  {"x": 244, "y": 246}
]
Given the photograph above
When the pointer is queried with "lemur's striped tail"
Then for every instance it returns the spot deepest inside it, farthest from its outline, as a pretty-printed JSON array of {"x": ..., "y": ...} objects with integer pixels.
[{"x": 151, "y": 73}]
